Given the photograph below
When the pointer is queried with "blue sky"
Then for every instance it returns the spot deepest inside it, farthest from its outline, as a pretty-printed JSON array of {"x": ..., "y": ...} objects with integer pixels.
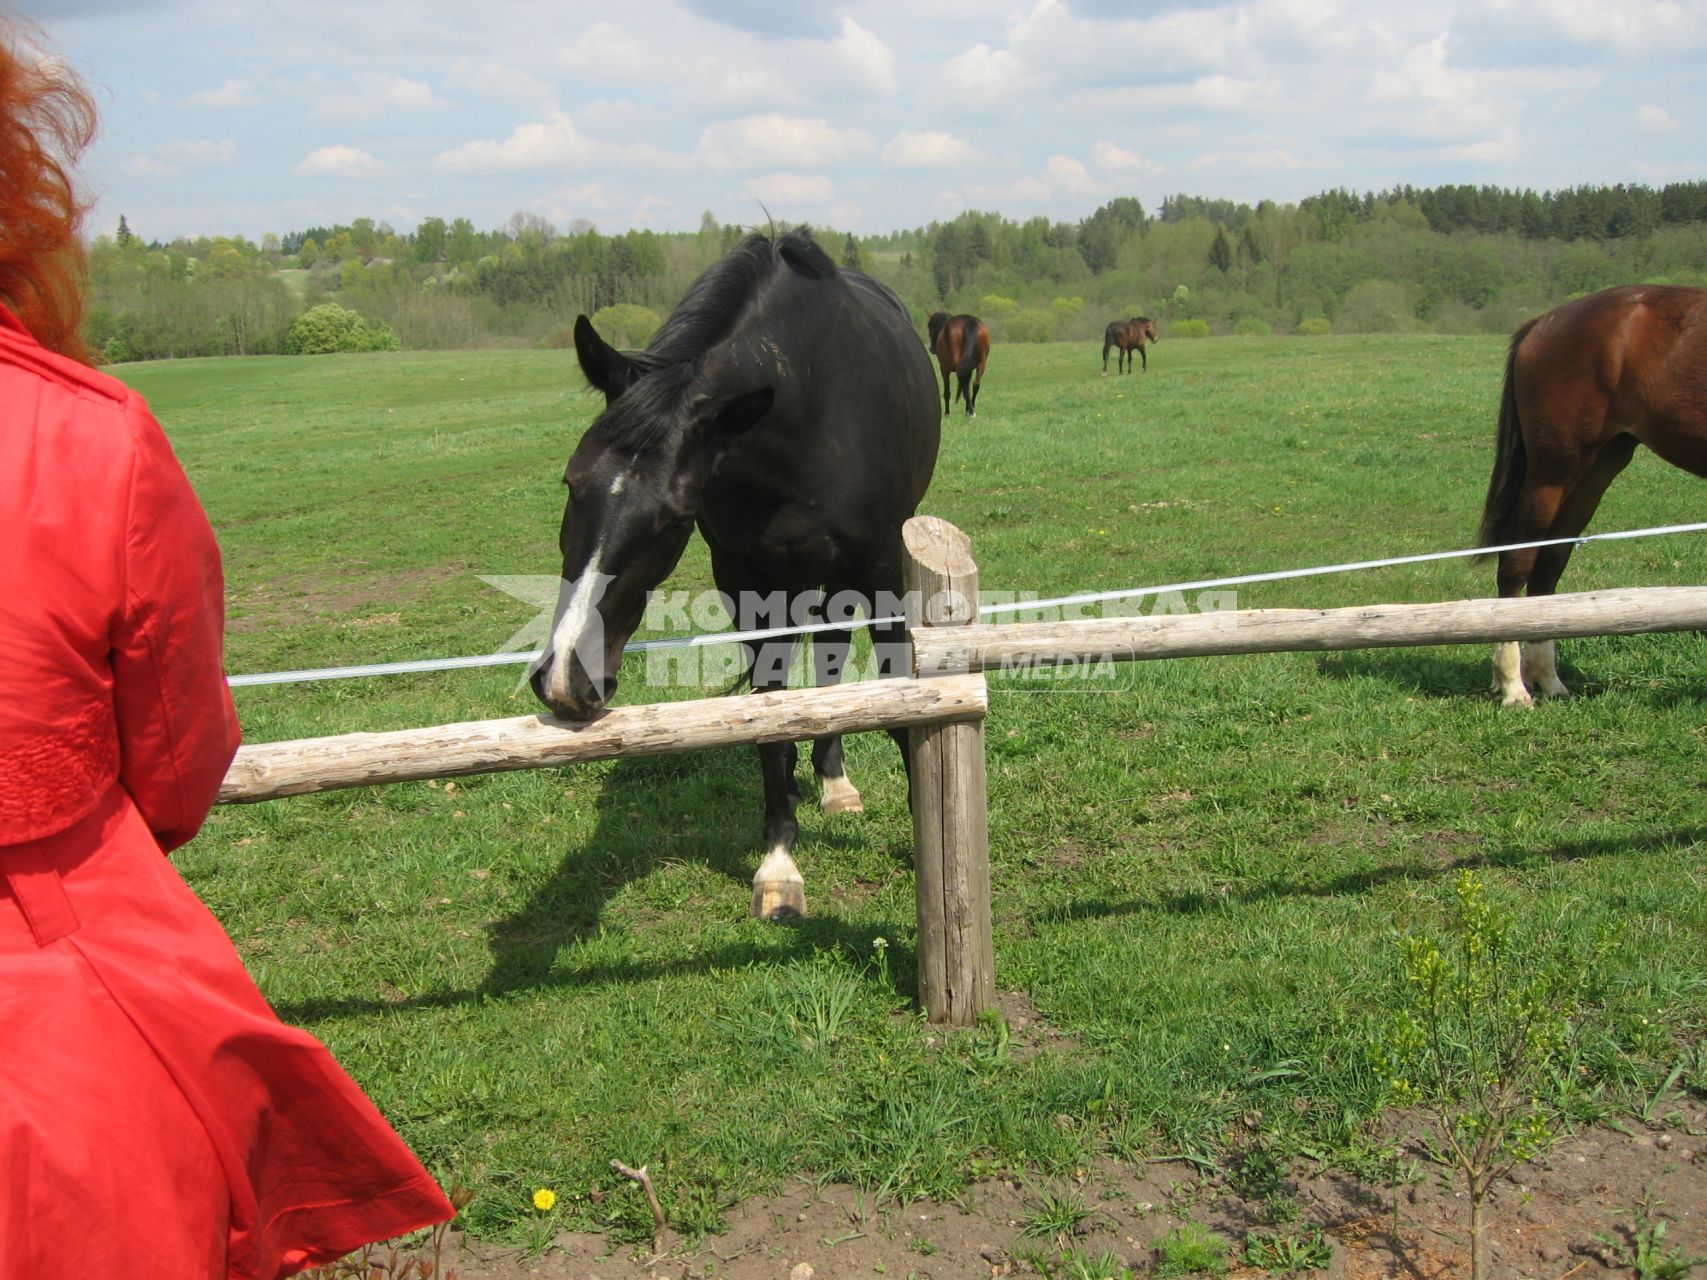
[{"x": 232, "y": 117}]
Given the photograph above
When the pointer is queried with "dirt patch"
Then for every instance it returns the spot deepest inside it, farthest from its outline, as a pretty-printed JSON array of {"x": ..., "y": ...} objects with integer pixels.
[{"x": 1570, "y": 1215}]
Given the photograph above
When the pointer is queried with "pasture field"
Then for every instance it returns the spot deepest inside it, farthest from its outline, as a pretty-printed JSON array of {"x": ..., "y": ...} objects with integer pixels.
[{"x": 1199, "y": 868}]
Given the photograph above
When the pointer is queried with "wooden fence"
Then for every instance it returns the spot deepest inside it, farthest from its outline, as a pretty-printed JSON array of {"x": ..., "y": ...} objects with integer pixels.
[{"x": 943, "y": 706}]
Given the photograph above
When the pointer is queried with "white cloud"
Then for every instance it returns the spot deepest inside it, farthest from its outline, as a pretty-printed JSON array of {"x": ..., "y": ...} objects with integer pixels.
[
  {"x": 985, "y": 74},
  {"x": 930, "y": 149},
  {"x": 375, "y": 94},
  {"x": 1129, "y": 164},
  {"x": 1062, "y": 178},
  {"x": 1632, "y": 26},
  {"x": 869, "y": 61},
  {"x": 1067, "y": 174},
  {"x": 1441, "y": 102},
  {"x": 606, "y": 52},
  {"x": 720, "y": 89},
  {"x": 651, "y": 210},
  {"x": 337, "y": 162},
  {"x": 497, "y": 80},
  {"x": 783, "y": 191},
  {"x": 166, "y": 158},
  {"x": 1275, "y": 160},
  {"x": 233, "y": 93},
  {"x": 1066, "y": 50},
  {"x": 1652, "y": 119},
  {"x": 756, "y": 142},
  {"x": 542, "y": 144}
]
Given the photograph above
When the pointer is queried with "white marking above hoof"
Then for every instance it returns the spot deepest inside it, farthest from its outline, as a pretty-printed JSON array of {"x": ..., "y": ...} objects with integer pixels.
[
  {"x": 779, "y": 891},
  {"x": 838, "y": 795},
  {"x": 1508, "y": 675},
  {"x": 1541, "y": 667}
]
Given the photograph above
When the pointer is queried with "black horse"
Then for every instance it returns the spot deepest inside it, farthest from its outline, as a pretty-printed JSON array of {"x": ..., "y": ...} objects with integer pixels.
[{"x": 789, "y": 409}]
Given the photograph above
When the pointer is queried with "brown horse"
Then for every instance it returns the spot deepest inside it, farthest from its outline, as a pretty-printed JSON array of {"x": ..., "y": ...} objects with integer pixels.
[
  {"x": 1128, "y": 335},
  {"x": 1584, "y": 385},
  {"x": 961, "y": 344}
]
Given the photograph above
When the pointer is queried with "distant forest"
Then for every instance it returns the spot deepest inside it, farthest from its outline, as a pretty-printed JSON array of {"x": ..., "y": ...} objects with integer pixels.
[{"x": 1454, "y": 259}]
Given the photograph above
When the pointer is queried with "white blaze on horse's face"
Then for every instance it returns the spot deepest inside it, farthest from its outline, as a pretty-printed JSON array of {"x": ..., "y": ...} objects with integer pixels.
[{"x": 577, "y": 635}]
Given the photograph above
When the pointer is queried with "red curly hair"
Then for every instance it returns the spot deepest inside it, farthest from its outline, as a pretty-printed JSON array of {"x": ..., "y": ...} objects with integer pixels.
[{"x": 46, "y": 119}]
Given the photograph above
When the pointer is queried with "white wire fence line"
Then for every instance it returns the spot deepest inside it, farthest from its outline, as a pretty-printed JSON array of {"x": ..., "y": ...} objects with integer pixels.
[{"x": 421, "y": 665}]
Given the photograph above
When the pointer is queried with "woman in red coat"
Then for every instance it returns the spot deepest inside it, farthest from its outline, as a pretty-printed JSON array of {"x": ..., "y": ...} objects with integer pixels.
[{"x": 156, "y": 1118}]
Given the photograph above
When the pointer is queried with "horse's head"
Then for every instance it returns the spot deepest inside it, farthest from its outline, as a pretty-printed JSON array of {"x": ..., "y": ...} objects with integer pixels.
[
  {"x": 1147, "y": 329},
  {"x": 635, "y": 482}
]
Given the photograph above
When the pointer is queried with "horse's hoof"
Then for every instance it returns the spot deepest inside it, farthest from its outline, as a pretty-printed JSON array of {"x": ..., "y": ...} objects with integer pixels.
[
  {"x": 779, "y": 900},
  {"x": 1519, "y": 697},
  {"x": 838, "y": 795}
]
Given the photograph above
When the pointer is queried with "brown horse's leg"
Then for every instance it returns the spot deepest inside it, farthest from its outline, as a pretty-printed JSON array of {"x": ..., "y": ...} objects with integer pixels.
[
  {"x": 947, "y": 374},
  {"x": 1143, "y": 360},
  {"x": 1536, "y": 510},
  {"x": 1540, "y": 662}
]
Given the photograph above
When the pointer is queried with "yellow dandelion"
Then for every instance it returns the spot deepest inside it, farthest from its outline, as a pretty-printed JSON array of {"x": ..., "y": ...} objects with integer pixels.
[{"x": 544, "y": 1199}]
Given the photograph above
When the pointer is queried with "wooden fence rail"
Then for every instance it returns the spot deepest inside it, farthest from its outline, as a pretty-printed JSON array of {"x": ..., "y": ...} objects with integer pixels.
[
  {"x": 1629, "y": 611},
  {"x": 269, "y": 770}
]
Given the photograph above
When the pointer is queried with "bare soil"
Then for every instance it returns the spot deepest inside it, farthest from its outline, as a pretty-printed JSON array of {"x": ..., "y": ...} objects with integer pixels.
[{"x": 1571, "y": 1214}]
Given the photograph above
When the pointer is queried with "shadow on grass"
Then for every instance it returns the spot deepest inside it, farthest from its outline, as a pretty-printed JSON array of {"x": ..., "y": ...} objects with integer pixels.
[
  {"x": 1185, "y": 904},
  {"x": 653, "y": 811}
]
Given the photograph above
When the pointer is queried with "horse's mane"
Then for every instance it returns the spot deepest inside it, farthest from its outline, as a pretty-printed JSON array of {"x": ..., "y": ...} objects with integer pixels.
[
  {"x": 707, "y": 314},
  {"x": 46, "y": 119}
]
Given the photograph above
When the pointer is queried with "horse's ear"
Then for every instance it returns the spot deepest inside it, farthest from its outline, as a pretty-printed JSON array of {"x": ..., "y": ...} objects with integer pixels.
[
  {"x": 804, "y": 257},
  {"x": 722, "y": 418},
  {"x": 607, "y": 369}
]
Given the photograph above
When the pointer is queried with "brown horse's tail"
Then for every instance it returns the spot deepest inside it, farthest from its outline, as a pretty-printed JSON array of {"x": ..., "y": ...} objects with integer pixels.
[
  {"x": 1510, "y": 459},
  {"x": 968, "y": 358}
]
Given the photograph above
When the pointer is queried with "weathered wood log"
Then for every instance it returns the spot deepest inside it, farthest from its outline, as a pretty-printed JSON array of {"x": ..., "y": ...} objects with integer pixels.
[
  {"x": 951, "y": 845},
  {"x": 1010, "y": 646},
  {"x": 269, "y": 770}
]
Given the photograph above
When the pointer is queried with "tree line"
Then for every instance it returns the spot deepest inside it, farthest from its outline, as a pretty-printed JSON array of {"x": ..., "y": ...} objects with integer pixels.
[{"x": 1440, "y": 259}]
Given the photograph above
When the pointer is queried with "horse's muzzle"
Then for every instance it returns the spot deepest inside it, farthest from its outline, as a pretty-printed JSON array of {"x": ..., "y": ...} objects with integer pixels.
[{"x": 584, "y": 699}]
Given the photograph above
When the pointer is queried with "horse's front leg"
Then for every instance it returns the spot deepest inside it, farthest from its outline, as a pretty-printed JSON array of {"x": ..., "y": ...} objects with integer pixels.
[
  {"x": 1143, "y": 361},
  {"x": 779, "y": 890}
]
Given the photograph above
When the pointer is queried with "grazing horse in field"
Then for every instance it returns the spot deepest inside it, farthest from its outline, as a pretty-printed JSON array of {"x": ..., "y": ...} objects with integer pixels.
[
  {"x": 961, "y": 344},
  {"x": 1584, "y": 385},
  {"x": 1129, "y": 336},
  {"x": 787, "y": 409}
]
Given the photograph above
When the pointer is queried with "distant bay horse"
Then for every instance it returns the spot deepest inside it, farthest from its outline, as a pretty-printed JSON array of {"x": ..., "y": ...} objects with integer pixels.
[
  {"x": 961, "y": 345},
  {"x": 1584, "y": 385},
  {"x": 1129, "y": 336},
  {"x": 787, "y": 409}
]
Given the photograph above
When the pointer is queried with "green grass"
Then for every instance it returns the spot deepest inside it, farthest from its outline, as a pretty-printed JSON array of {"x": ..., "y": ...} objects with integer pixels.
[{"x": 1197, "y": 876}]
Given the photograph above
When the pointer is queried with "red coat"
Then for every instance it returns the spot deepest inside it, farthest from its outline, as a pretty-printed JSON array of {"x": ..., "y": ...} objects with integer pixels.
[{"x": 156, "y": 1118}]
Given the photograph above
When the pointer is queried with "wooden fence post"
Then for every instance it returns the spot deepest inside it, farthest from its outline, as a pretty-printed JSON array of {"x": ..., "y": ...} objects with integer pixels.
[{"x": 957, "y": 963}]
